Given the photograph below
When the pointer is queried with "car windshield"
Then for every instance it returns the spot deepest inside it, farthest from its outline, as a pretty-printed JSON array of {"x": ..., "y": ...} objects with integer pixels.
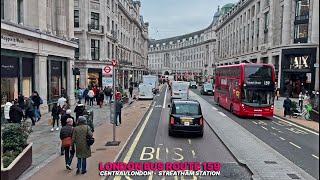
[
  {"x": 193, "y": 83},
  {"x": 187, "y": 109},
  {"x": 257, "y": 98},
  {"x": 208, "y": 86}
]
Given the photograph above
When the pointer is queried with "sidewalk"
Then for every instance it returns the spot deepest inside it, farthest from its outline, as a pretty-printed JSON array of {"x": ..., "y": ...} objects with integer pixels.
[
  {"x": 278, "y": 111},
  {"x": 46, "y": 144}
]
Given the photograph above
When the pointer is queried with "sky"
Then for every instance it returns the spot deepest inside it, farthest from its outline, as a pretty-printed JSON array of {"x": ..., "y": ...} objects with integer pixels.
[{"x": 169, "y": 18}]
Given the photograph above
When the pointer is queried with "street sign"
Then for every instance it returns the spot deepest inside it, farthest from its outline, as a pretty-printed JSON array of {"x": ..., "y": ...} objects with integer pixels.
[
  {"x": 107, "y": 81},
  {"x": 114, "y": 62},
  {"x": 107, "y": 70}
]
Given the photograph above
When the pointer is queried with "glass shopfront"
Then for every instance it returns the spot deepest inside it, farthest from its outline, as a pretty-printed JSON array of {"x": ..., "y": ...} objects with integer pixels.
[
  {"x": 16, "y": 75},
  {"x": 94, "y": 77}
]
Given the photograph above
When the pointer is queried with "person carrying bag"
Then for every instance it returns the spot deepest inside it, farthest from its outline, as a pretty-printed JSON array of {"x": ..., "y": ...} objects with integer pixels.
[{"x": 66, "y": 138}]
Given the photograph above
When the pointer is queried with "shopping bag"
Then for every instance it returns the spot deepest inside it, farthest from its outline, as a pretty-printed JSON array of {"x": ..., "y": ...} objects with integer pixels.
[{"x": 50, "y": 121}]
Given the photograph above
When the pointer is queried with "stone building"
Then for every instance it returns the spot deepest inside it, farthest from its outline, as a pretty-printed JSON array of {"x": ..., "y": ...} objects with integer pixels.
[
  {"x": 283, "y": 33},
  {"x": 107, "y": 30},
  {"x": 37, "y": 49}
]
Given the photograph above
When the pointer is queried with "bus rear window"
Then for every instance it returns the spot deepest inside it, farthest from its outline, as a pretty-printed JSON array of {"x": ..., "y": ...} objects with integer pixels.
[{"x": 258, "y": 71}]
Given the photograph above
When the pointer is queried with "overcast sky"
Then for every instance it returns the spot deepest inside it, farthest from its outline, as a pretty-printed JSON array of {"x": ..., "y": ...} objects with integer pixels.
[{"x": 168, "y": 18}]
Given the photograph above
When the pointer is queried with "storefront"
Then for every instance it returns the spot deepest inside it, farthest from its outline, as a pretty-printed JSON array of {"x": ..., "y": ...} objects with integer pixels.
[
  {"x": 298, "y": 71},
  {"x": 57, "y": 73},
  {"x": 94, "y": 77},
  {"x": 16, "y": 74}
]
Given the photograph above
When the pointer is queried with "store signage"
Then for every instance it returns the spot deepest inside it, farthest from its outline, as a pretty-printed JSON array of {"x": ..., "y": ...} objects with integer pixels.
[
  {"x": 107, "y": 70},
  {"x": 11, "y": 39},
  {"x": 7, "y": 67}
]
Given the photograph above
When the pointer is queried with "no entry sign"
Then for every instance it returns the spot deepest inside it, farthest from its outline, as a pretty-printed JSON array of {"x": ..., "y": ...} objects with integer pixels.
[
  {"x": 114, "y": 62},
  {"x": 107, "y": 70}
]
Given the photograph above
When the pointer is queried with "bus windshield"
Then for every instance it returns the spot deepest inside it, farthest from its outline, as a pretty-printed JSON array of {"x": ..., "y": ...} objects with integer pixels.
[
  {"x": 257, "y": 98},
  {"x": 258, "y": 71}
]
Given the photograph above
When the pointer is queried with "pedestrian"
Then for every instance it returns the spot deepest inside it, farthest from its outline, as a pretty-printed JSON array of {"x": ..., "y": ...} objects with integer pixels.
[
  {"x": 61, "y": 101},
  {"x": 7, "y": 111},
  {"x": 36, "y": 105},
  {"x": 85, "y": 95},
  {"x": 29, "y": 111},
  {"x": 66, "y": 136},
  {"x": 67, "y": 116},
  {"x": 80, "y": 94},
  {"x": 111, "y": 93},
  {"x": 91, "y": 97},
  {"x": 287, "y": 104},
  {"x": 79, "y": 139},
  {"x": 278, "y": 93},
  {"x": 55, "y": 115},
  {"x": 15, "y": 113},
  {"x": 65, "y": 94},
  {"x": 64, "y": 108},
  {"x": 21, "y": 100},
  {"x": 79, "y": 110},
  {"x": 94, "y": 89},
  {"x": 101, "y": 98},
  {"x": 107, "y": 92},
  {"x": 119, "y": 107},
  {"x": 301, "y": 98},
  {"x": 131, "y": 90}
]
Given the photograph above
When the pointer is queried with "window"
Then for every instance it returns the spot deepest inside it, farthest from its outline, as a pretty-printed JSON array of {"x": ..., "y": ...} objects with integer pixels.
[
  {"x": 108, "y": 50},
  {"x": 300, "y": 33},
  {"x": 76, "y": 52},
  {"x": 108, "y": 23},
  {"x": 95, "y": 49},
  {"x": 258, "y": 7},
  {"x": 95, "y": 21},
  {"x": 19, "y": 11},
  {"x": 76, "y": 18},
  {"x": 2, "y": 9},
  {"x": 266, "y": 20},
  {"x": 302, "y": 10}
]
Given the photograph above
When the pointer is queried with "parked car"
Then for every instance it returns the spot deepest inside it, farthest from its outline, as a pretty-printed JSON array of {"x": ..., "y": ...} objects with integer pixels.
[
  {"x": 185, "y": 117},
  {"x": 193, "y": 84},
  {"x": 207, "y": 89}
]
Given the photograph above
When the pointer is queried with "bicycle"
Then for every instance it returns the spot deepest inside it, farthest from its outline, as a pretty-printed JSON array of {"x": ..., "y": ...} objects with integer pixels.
[{"x": 305, "y": 113}]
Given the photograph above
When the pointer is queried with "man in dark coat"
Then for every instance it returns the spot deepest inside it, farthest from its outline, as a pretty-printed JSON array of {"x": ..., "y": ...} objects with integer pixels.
[
  {"x": 65, "y": 117},
  {"x": 287, "y": 106},
  {"x": 118, "y": 110},
  {"x": 21, "y": 100},
  {"x": 36, "y": 104},
  {"x": 15, "y": 113}
]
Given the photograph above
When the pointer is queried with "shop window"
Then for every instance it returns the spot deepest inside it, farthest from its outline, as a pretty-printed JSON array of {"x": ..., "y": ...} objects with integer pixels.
[
  {"x": 55, "y": 80},
  {"x": 9, "y": 79},
  {"x": 27, "y": 76},
  {"x": 300, "y": 62},
  {"x": 2, "y": 9},
  {"x": 302, "y": 10}
]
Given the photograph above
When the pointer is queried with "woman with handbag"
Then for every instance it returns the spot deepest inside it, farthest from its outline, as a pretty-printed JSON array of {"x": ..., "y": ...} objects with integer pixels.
[
  {"x": 66, "y": 136},
  {"x": 82, "y": 137}
]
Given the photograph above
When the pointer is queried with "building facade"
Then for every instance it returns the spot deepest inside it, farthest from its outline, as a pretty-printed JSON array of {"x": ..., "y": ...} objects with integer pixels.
[
  {"x": 107, "y": 30},
  {"x": 37, "y": 49},
  {"x": 283, "y": 33}
]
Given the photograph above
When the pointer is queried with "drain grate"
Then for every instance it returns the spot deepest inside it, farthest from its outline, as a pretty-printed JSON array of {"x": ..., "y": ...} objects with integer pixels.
[
  {"x": 293, "y": 176},
  {"x": 270, "y": 162},
  {"x": 101, "y": 149}
]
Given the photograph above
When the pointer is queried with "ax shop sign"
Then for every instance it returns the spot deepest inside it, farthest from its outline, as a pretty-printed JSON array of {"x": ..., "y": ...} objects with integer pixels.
[{"x": 107, "y": 70}]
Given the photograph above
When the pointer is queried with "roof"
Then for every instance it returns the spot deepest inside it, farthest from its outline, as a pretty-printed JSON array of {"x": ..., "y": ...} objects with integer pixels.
[
  {"x": 229, "y": 5},
  {"x": 187, "y": 101}
]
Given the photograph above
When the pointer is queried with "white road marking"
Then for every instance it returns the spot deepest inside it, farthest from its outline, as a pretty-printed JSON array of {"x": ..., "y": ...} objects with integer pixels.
[
  {"x": 273, "y": 127},
  {"x": 282, "y": 138},
  {"x": 274, "y": 134},
  {"x": 214, "y": 108},
  {"x": 315, "y": 156},
  {"x": 255, "y": 122},
  {"x": 165, "y": 98},
  {"x": 297, "y": 125},
  {"x": 189, "y": 141},
  {"x": 264, "y": 128},
  {"x": 222, "y": 114},
  {"x": 193, "y": 154},
  {"x": 295, "y": 145}
]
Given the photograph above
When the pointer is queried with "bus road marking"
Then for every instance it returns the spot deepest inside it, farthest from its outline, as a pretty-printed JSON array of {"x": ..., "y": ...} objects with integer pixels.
[
  {"x": 274, "y": 134},
  {"x": 135, "y": 141},
  {"x": 295, "y": 145},
  {"x": 296, "y": 125},
  {"x": 264, "y": 128},
  {"x": 214, "y": 108},
  {"x": 282, "y": 138},
  {"x": 315, "y": 156},
  {"x": 189, "y": 141},
  {"x": 222, "y": 114},
  {"x": 255, "y": 122}
]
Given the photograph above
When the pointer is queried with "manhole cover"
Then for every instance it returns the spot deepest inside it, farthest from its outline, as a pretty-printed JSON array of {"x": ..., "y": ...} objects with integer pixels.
[{"x": 293, "y": 176}]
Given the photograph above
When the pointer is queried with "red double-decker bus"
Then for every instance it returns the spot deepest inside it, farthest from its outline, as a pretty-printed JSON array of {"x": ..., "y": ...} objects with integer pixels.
[{"x": 246, "y": 89}]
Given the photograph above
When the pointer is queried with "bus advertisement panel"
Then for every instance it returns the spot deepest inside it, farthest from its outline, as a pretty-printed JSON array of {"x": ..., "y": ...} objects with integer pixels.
[{"x": 246, "y": 89}]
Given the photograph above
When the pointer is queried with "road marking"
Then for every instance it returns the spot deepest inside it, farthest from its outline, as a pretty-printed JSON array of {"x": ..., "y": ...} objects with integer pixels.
[
  {"x": 273, "y": 127},
  {"x": 315, "y": 156},
  {"x": 264, "y": 128},
  {"x": 193, "y": 154},
  {"x": 222, "y": 114},
  {"x": 254, "y": 122},
  {"x": 297, "y": 125},
  {"x": 214, "y": 108},
  {"x": 135, "y": 142},
  {"x": 282, "y": 138},
  {"x": 189, "y": 141},
  {"x": 165, "y": 98},
  {"x": 295, "y": 145},
  {"x": 274, "y": 134}
]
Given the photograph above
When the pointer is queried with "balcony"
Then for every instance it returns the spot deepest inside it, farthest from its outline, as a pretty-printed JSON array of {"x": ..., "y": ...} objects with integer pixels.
[{"x": 96, "y": 28}]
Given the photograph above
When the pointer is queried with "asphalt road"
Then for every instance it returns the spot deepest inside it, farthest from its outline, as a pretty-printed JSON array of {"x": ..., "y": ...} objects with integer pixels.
[
  {"x": 298, "y": 144},
  {"x": 155, "y": 145}
]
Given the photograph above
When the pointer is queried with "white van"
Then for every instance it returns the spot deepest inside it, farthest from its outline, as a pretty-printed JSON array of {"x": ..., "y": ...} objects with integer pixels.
[
  {"x": 145, "y": 91},
  {"x": 180, "y": 90}
]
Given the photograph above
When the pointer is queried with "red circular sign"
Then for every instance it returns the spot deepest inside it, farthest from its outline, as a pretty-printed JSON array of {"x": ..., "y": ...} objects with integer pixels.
[
  {"x": 114, "y": 62},
  {"x": 107, "y": 69}
]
